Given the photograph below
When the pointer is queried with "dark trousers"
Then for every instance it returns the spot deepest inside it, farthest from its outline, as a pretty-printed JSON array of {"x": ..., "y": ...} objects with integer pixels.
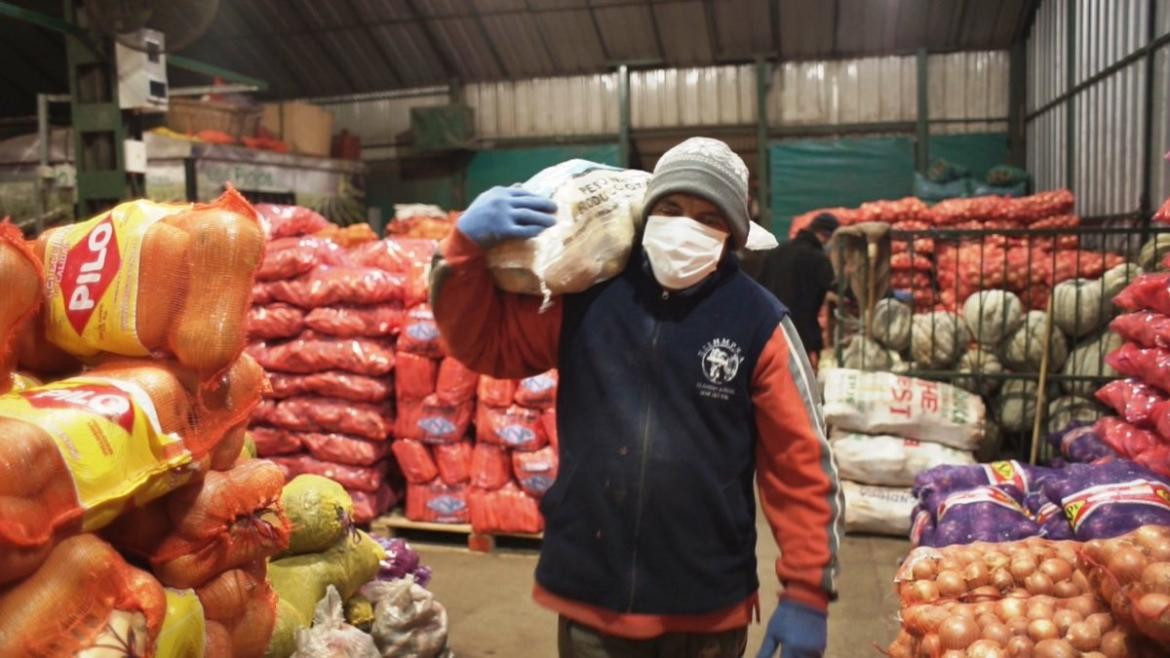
[{"x": 577, "y": 641}]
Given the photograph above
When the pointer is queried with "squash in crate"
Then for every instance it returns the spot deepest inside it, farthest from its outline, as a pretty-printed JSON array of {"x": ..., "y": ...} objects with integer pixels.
[
  {"x": 1069, "y": 409},
  {"x": 1118, "y": 277},
  {"x": 992, "y": 315},
  {"x": 1080, "y": 307},
  {"x": 936, "y": 339},
  {"x": 1088, "y": 360},
  {"x": 1024, "y": 348},
  {"x": 979, "y": 360},
  {"x": 1015, "y": 406},
  {"x": 891, "y": 324}
]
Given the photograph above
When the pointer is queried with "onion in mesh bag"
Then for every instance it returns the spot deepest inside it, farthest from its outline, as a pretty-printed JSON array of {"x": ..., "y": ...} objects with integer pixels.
[
  {"x": 979, "y": 360},
  {"x": 891, "y": 323},
  {"x": 937, "y": 339},
  {"x": 992, "y": 314},
  {"x": 1024, "y": 348}
]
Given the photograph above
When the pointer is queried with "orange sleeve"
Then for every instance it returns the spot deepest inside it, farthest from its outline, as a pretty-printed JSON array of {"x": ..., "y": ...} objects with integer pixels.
[
  {"x": 799, "y": 491},
  {"x": 492, "y": 332}
]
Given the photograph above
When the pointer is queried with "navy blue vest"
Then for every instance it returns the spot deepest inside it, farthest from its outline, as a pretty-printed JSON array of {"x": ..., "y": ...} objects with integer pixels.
[{"x": 653, "y": 510}]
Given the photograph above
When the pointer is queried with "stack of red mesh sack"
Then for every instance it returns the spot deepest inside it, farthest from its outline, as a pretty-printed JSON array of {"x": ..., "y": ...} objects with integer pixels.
[
  {"x": 515, "y": 457},
  {"x": 1141, "y": 431},
  {"x": 323, "y": 325}
]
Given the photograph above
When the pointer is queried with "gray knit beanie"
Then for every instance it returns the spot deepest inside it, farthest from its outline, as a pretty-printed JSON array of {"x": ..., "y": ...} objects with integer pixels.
[{"x": 706, "y": 168}]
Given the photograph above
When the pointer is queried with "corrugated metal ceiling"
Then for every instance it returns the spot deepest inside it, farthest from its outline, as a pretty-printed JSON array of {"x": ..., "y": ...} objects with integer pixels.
[{"x": 306, "y": 48}]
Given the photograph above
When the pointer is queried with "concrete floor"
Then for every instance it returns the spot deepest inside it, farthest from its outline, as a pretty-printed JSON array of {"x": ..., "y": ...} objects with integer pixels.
[{"x": 492, "y": 614}]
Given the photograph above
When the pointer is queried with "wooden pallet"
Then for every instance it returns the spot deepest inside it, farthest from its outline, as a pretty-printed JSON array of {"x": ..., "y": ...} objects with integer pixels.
[{"x": 397, "y": 525}]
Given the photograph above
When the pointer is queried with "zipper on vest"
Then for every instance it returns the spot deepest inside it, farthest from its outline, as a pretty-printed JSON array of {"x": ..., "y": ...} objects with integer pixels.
[{"x": 642, "y": 471}]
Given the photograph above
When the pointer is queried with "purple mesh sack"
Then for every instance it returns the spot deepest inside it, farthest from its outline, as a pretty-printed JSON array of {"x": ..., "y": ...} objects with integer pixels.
[
  {"x": 1080, "y": 444},
  {"x": 1107, "y": 500},
  {"x": 1047, "y": 515},
  {"x": 986, "y": 513},
  {"x": 943, "y": 480}
]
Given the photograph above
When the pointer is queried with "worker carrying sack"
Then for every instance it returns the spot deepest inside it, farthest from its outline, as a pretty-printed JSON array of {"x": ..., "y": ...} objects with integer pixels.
[{"x": 599, "y": 208}]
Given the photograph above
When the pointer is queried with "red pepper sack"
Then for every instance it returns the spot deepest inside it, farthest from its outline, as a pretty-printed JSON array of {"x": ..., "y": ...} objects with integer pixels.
[
  {"x": 262, "y": 293},
  {"x": 288, "y": 258},
  {"x": 496, "y": 392},
  {"x": 456, "y": 382},
  {"x": 1151, "y": 366},
  {"x": 415, "y": 461},
  {"x": 490, "y": 466},
  {"x": 535, "y": 471},
  {"x": 369, "y": 506},
  {"x": 381, "y": 320},
  {"x": 1132, "y": 400},
  {"x": 317, "y": 414},
  {"x": 275, "y": 321},
  {"x": 1125, "y": 439},
  {"x": 332, "y": 384},
  {"x": 344, "y": 449},
  {"x": 415, "y": 376},
  {"x": 227, "y": 520},
  {"x": 433, "y": 421},
  {"x": 410, "y": 257},
  {"x": 281, "y": 221},
  {"x": 311, "y": 352},
  {"x": 454, "y": 461},
  {"x": 420, "y": 334},
  {"x": 1147, "y": 292},
  {"x": 272, "y": 441},
  {"x": 513, "y": 427},
  {"x": 265, "y": 411},
  {"x": 505, "y": 510},
  {"x": 341, "y": 284},
  {"x": 538, "y": 391},
  {"x": 436, "y": 502},
  {"x": 1146, "y": 328},
  {"x": 360, "y": 478}
]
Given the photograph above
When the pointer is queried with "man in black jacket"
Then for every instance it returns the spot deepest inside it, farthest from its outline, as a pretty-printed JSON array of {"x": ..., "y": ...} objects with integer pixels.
[{"x": 800, "y": 274}]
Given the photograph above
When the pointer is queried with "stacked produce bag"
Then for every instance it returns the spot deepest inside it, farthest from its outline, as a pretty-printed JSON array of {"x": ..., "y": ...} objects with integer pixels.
[
  {"x": 328, "y": 305},
  {"x": 888, "y": 428}
]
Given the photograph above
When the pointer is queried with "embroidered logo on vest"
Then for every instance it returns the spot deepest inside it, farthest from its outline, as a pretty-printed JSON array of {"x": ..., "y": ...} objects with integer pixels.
[{"x": 720, "y": 360}]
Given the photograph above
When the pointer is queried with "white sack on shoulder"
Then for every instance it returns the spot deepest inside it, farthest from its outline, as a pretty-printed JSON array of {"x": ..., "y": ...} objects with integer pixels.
[
  {"x": 885, "y": 403},
  {"x": 890, "y": 460},
  {"x": 878, "y": 510},
  {"x": 599, "y": 210}
]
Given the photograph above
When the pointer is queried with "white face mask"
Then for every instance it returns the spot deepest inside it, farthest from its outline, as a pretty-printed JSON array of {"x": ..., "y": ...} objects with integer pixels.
[{"x": 682, "y": 251}]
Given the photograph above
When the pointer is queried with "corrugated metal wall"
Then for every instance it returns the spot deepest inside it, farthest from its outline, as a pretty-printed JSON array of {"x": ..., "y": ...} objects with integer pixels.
[
  {"x": 1108, "y": 133},
  {"x": 854, "y": 91}
]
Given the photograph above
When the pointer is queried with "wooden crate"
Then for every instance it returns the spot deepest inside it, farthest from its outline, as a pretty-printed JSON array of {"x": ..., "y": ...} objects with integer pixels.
[{"x": 397, "y": 525}]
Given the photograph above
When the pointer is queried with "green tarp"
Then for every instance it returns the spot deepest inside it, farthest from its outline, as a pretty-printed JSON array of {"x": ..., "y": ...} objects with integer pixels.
[{"x": 977, "y": 152}]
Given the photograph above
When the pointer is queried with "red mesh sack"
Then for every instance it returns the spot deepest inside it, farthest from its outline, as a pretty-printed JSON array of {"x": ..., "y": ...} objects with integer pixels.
[
  {"x": 496, "y": 392},
  {"x": 1057, "y": 222},
  {"x": 1028, "y": 209},
  {"x": 84, "y": 596},
  {"x": 1146, "y": 328},
  {"x": 1151, "y": 366},
  {"x": 958, "y": 211},
  {"x": 407, "y": 256},
  {"x": 145, "y": 278},
  {"x": 513, "y": 427},
  {"x": 264, "y": 412},
  {"x": 23, "y": 278},
  {"x": 340, "y": 284},
  {"x": 415, "y": 461},
  {"x": 490, "y": 466},
  {"x": 332, "y": 384},
  {"x": 535, "y": 471},
  {"x": 420, "y": 334},
  {"x": 436, "y": 502},
  {"x": 1162, "y": 216},
  {"x": 56, "y": 479},
  {"x": 369, "y": 506},
  {"x": 1130, "y": 574},
  {"x": 288, "y": 258},
  {"x": 351, "y": 321},
  {"x": 312, "y": 353},
  {"x": 275, "y": 321},
  {"x": 244, "y": 603},
  {"x": 1125, "y": 439},
  {"x": 454, "y": 461},
  {"x": 227, "y": 520},
  {"x": 538, "y": 391},
  {"x": 1147, "y": 292},
  {"x": 1160, "y": 418},
  {"x": 549, "y": 420},
  {"x": 1131, "y": 399},
  {"x": 1157, "y": 459},
  {"x": 456, "y": 382},
  {"x": 906, "y": 262},
  {"x": 910, "y": 281},
  {"x": 281, "y": 221},
  {"x": 889, "y": 212},
  {"x": 262, "y": 294},
  {"x": 505, "y": 510},
  {"x": 415, "y": 376},
  {"x": 316, "y": 414},
  {"x": 433, "y": 421},
  {"x": 342, "y": 449},
  {"x": 272, "y": 441},
  {"x": 360, "y": 478}
]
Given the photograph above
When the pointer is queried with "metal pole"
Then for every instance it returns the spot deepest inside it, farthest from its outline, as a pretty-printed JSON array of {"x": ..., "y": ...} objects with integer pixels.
[
  {"x": 923, "y": 121},
  {"x": 624, "y": 115},
  {"x": 763, "y": 192},
  {"x": 1147, "y": 203},
  {"x": 1070, "y": 105}
]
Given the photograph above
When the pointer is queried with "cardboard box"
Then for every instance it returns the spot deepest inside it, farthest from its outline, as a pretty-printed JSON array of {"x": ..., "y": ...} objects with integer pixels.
[{"x": 306, "y": 128}]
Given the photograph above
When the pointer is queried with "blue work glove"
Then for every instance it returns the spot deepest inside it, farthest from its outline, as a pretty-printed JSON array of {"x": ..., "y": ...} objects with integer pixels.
[
  {"x": 798, "y": 630},
  {"x": 506, "y": 213}
]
